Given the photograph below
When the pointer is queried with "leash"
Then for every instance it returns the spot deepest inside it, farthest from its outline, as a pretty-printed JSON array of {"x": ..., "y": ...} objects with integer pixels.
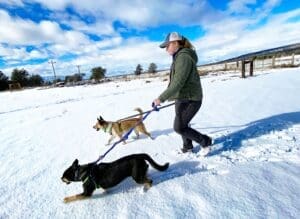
[
  {"x": 125, "y": 137},
  {"x": 128, "y": 117}
]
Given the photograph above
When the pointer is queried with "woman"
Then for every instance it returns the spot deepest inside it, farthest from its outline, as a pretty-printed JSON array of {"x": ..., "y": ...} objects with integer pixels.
[{"x": 185, "y": 88}]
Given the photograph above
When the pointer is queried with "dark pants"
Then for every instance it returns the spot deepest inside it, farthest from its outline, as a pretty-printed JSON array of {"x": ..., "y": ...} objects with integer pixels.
[{"x": 185, "y": 111}]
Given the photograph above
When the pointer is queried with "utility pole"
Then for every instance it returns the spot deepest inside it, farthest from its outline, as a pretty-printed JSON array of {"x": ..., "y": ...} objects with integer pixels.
[
  {"x": 78, "y": 66},
  {"x": 52, "y": 63}
]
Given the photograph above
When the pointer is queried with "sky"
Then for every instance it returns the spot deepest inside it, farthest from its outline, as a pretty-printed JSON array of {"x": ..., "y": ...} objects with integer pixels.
[
  {"x": 253, "y": 170},
  {"x": 118, "y": 35}
]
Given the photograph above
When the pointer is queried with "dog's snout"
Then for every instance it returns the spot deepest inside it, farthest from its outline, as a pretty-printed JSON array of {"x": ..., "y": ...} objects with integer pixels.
[
  {"x": 96, "y": 127},
  {"x": 65, "y": 180}
]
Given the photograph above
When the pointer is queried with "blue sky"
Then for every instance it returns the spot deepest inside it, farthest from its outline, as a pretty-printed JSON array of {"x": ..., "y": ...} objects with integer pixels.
[{"x": 118, "y": 35}]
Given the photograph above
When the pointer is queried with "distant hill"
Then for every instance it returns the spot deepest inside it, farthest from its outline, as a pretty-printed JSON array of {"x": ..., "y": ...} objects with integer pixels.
[{"x": 282, "y": 50}]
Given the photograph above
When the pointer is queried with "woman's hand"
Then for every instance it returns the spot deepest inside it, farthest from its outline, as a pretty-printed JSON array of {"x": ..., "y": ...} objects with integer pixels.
[{"x": 156, "y": 102}]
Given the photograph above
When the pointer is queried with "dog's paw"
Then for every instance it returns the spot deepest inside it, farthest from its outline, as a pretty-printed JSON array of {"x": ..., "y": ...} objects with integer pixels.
[
  {"x": 145, "y": 189},
  {"x": 147, "y": 186}
]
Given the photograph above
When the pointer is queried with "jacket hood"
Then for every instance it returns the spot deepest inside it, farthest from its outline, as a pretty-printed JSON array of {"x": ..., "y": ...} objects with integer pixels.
[{"x": 191, "y": 52}]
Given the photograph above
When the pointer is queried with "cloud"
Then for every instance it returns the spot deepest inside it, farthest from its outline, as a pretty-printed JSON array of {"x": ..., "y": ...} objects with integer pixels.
[
  {"x": 236, "y": 38},
  {"x": 267, "y": 7},
  {"x": 12, "y": 2},
  {"x": 87, "y": 32},
  {"x": 125, "y": 57},
  {"x": 240, "y": 6},
  {"x": 19, "y": 31},
  {"x": 100, "y": 28},
  {"x": 13, "y": 55},
  {"x": 88, "y": 24},
  {"x": 54, "y": 4},
  {"x": 251, "y": 6},
  {"x": 138, "y": 14}
]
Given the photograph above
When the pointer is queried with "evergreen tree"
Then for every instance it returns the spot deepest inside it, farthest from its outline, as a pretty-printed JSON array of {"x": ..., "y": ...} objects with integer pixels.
[
  {"x": 138, "y": 70},
  {"x": 152, "y": 68},
  {"x": 20, "y": 76},
  {"x": 98, "y": 73},
  {"x": 35, "y": 80}
]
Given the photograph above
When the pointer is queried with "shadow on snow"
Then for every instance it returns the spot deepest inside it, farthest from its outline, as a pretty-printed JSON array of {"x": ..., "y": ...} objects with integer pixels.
[
  {"x": 256, "y": 129},
  {"x": 174, "y": 171}
]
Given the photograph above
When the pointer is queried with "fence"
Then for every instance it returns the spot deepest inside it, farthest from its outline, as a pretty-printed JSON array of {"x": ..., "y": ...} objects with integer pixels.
[{"x": 258, "y": 64}]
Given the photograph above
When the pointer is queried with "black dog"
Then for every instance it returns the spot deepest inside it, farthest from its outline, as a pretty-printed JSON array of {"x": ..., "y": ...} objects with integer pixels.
[{"x": 106, "y": 175}]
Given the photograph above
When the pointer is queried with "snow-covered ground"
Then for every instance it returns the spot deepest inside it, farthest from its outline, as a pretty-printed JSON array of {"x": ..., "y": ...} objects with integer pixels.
[{"x": 253, "y": 171}]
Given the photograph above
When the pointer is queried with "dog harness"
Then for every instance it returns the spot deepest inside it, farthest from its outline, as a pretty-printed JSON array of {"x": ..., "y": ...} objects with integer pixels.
[
  {"x": 93, "y": 181},
  {"x": 91, "y": 177}
]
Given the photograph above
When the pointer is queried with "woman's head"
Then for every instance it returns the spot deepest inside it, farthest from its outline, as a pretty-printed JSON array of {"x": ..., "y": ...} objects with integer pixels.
[{"x": 174, "y": 41}]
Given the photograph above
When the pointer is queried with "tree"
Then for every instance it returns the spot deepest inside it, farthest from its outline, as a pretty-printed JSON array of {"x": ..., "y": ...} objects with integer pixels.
[
  {"x": 98, "y": 73},
  {"x": 138, "y": 70},
  {"x": 152, "y": 68},
  {"x": 3, "y": 81},
  {"x": 20, "y": 76},
  {"x": 35, "y": 80}
]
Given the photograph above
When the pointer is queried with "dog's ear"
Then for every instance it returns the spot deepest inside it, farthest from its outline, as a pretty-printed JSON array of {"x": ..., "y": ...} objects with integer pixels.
[
  {"x": 75, "y": 163},
  {"x": 100, "y": 119}
]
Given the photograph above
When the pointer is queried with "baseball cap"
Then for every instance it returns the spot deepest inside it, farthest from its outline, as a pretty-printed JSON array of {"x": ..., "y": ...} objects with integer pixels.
[{"x": 173, "y": 36}]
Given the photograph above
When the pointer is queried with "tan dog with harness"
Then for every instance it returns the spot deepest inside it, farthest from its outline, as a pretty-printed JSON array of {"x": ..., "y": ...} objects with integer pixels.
[{"x": 118, "y": 128}]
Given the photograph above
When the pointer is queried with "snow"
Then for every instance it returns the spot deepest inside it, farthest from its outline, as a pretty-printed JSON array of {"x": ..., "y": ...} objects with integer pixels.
[{"x": 252, "y": 172}]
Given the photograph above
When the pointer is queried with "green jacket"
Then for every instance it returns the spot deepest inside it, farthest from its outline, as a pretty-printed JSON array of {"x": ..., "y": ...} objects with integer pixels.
[{"x": 184, "y": 78}]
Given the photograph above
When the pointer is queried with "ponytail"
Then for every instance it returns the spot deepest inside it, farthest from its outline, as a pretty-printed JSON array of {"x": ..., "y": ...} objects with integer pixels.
[{"x": 185, "y": 43}]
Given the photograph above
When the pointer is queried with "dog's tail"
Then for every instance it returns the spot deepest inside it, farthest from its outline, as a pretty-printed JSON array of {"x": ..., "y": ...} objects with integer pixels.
[
  {"x": 140, "y": 111},
  {"x": 153, "y": 163}
]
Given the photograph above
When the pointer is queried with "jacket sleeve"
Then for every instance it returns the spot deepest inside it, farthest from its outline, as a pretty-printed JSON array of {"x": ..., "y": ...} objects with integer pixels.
[{"x": 183, "y": 67}]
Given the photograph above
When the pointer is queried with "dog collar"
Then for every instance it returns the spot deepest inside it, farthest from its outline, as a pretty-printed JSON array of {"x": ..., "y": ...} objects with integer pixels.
[
  {"x": 85, "y": 180},
  {"x": 108, "y": 128},
  {"x": 93, "y": 181},
  {"x": 91, "y": 178}
]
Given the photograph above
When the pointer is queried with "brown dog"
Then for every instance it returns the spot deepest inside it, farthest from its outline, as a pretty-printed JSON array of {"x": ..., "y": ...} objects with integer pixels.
[{"x": 118, "y": 128}]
